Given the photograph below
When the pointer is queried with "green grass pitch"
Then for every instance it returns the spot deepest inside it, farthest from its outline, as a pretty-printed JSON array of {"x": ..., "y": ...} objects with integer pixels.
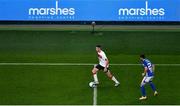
[{"x": 32, "y": 84}]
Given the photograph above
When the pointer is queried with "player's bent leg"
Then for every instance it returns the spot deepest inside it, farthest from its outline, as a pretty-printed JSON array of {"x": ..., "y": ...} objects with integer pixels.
[
  {"x": 149, "y": 80},
  {"x": 94, "y": 72},
  {"x": 153, "y": 88},
  {"x": 108, "y": 73},
  {"x": 143, "y": 91}
]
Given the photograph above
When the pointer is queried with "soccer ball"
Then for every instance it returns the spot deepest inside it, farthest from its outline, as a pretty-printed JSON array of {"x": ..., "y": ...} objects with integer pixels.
[{"x": 92, "y": 84}]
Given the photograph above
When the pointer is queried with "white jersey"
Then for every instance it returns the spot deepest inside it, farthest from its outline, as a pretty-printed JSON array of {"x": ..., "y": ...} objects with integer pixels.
[{"x": 102, "y": 58}]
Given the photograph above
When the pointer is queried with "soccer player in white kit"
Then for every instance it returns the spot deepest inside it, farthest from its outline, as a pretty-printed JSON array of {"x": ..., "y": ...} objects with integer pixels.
[{"x": 103, "y": 65}]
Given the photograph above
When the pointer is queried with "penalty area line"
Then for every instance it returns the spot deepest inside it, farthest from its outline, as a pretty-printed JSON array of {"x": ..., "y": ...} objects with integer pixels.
[
  {"x": 95, "y": 96},
  {"x": 76, "y": 64}
]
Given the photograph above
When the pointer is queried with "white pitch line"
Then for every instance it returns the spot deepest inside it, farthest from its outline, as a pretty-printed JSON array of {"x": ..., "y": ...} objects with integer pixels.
[
  {"x": 49, "y": 64},
  {"x": 95, "y": 96},
  {"x": 77, "y": 64}
]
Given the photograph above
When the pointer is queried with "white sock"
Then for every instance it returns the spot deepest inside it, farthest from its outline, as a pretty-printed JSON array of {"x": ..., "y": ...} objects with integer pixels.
[
  {"x": 95, "y": 78},
  {"x": 115, "y": 80}
]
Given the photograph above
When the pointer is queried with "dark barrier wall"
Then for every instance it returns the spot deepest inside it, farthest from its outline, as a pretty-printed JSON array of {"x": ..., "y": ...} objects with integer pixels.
[{"x": 90, "y": 10}]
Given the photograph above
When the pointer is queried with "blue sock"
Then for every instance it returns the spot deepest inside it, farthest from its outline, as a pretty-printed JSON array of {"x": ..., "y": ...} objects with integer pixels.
[
  {"x": 143, "y": 91},
  {"x": 152, "y": 86}
]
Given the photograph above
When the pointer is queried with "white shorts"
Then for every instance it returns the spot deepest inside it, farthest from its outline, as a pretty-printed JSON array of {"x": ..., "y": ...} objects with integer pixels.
[{"x": 146, "y": 80}]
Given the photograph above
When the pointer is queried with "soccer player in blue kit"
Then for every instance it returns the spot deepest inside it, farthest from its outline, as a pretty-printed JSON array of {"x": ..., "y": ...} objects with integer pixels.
[{"x": 148, "y": 76}]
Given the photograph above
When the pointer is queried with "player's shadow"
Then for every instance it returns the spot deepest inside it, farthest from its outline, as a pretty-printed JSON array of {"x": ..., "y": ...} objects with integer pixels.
[{"x": 97, "y": 33}]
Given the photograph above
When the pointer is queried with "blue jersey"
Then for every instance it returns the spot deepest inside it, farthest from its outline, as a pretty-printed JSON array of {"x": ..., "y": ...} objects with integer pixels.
[{"x": 149, "y": 66}]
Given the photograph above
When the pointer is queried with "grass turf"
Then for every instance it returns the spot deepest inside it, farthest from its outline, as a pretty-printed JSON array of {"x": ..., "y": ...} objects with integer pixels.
[{"x": 69, "y": 84}]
